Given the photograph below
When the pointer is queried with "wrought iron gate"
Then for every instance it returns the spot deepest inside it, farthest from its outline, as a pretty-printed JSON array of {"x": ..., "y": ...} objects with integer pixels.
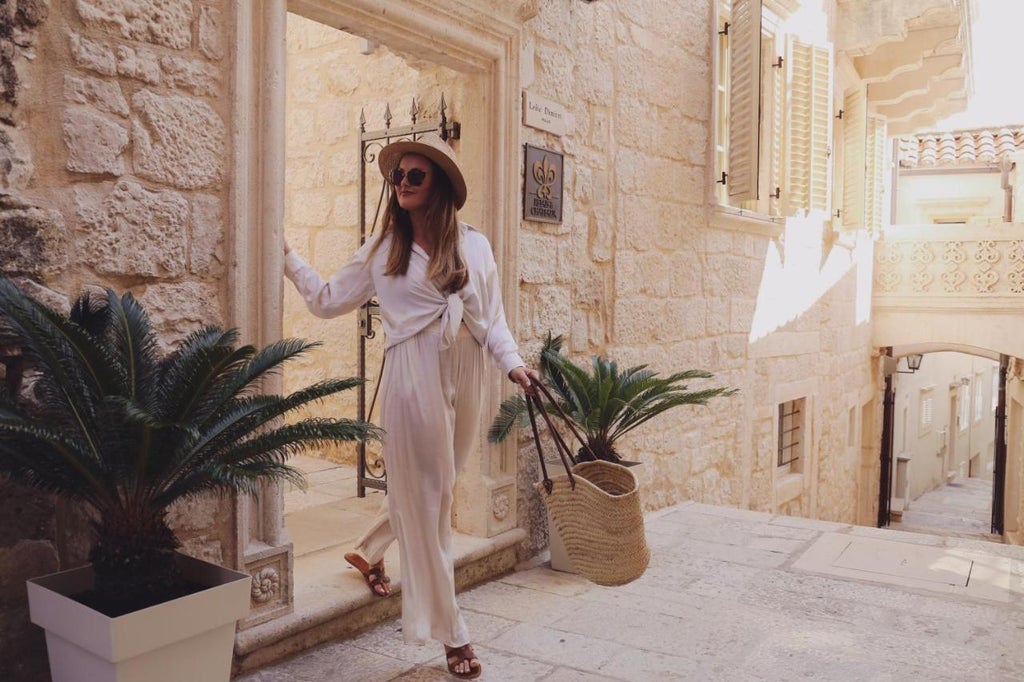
[{"x": 370, "y": 469}]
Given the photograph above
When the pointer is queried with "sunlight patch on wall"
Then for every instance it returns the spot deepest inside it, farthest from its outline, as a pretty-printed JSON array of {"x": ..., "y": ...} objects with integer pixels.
[{"x": 800, "y": 269}]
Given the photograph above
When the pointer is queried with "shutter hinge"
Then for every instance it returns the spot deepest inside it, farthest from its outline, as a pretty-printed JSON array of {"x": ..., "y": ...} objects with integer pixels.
[
  {"x": 777, "y": 194},
  {"x": 838, "y": 213},
  {"x": 725, "y": 30},
  {"x": 840, "y": 114},
  {"x": 722, "y": 181},
  {"x": 777, "y": 64}
]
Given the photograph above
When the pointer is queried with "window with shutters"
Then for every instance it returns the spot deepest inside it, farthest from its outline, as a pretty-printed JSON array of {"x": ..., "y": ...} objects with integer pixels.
[
  {"x": 963, "y": 415},
  {"x": 925, "y": 402},
  {"x": 791, "y": 435},
  {"x": 773, "y": 135}
]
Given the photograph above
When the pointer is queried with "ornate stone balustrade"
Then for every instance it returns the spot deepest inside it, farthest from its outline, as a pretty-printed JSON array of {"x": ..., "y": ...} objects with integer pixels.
[{"x": 953, "y": 262}]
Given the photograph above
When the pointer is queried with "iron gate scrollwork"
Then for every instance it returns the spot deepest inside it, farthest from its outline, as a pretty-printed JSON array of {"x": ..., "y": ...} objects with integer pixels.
[{"x": 370, "y": 468}]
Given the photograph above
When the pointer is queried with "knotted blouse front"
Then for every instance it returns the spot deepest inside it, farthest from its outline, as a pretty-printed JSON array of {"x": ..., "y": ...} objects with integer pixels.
[{"x": 410, "y": 302}]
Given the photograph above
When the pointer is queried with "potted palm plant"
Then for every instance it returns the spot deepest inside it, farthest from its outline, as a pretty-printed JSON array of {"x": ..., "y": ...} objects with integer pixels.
[
  {"x": 604, "y": 404},
  {"x": 111, "y": 422}
]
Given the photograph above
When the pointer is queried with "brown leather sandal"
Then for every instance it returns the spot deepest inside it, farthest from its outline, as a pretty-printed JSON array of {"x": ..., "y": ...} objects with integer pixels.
[
  {"x": 379, "y": 582},
  {"x": 463, "y": 654}
]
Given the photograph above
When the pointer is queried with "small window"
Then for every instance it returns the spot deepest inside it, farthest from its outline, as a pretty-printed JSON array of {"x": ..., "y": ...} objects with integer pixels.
[
  {"x": 791, "y": 436},
  {"x": 925, "y": 403},
  {"x": 964, "y": 408},
  {"x": 979, "y": 399}
]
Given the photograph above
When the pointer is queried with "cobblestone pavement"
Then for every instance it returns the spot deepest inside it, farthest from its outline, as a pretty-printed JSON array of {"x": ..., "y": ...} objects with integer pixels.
[{"x": 729, "y": 595}]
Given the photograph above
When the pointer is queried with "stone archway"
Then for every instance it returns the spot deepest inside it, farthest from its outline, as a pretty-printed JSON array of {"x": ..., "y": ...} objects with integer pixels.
[{"x": 485, "y": 45}]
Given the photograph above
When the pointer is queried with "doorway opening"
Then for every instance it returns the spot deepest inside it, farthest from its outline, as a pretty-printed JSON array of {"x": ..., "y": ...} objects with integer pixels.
[
  {"x": 944, "y": 447},
  {"x": 337, "y": 85}
]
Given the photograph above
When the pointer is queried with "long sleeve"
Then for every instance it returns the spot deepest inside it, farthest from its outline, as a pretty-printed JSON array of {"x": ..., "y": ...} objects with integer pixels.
[
  {"x": 499, "y": 341},
  {"x": 346, "y": 290}
]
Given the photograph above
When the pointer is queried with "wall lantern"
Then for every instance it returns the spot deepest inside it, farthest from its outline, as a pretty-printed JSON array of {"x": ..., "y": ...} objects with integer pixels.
[{"x": 913, "y": 363}]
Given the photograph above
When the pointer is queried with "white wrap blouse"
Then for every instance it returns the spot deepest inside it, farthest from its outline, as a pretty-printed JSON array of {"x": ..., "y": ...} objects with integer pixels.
[{"x": 411, "y": 302}]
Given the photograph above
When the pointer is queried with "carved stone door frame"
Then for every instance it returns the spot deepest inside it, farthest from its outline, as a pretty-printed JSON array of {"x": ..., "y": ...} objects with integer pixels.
[{"x": 447, "y": 32}]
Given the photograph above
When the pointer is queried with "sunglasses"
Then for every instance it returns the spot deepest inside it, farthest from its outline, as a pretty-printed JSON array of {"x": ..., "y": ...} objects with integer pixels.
[{"x": 414, "y": 176}]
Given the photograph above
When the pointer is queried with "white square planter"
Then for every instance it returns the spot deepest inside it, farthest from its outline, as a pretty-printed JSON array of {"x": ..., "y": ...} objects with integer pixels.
[{"x": 189, "y": 638}]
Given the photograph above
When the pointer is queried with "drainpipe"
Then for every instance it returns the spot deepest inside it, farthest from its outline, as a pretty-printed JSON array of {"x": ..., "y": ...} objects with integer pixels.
[
  {"x": 999, "y": 473},
  {"x": 885, "y": 477}
]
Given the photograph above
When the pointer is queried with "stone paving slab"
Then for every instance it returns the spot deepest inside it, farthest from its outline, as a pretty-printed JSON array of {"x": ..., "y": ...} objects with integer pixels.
[{"x": 730, "y": 595}]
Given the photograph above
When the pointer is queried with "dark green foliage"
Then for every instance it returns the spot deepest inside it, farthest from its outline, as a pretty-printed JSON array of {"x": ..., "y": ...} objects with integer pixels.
[
  {"x": 114, "y": 423},
  {"x": 605, "y": 403}
]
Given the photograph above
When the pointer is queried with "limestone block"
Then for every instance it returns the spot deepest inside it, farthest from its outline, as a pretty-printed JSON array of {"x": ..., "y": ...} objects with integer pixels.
[
  {"x": 26, "y": 559},
  {"x": 141, "y": 64},
  {"x": 555, "y": 23},
  {"x": 193, "y": 514},
  {"x": 104, "y": 95},
  {"x": 196, "y": 77},
  {"x": 335, "y": 122},
  {"x": 638, "y": 224},
  {"x": 538, "y": 258},
  {"x": 133, "y": 230},
  {"x": 15, "y": 160},
  {"x": 629, "y": 164},
  {"x": 593, "y": 78},
  {"x": 690, "y": 84},
  {"x": 304, "y": 172},
  {"x": 310, "y": 208},
  {"x": 211, "y": 33},
  {"x": 554, "y": 71},
  {"x": 33, "y": 12},
  {"x": 162, "y": 22},
  {"x": 588, "y": 288},
  {"x": 685, "y": 319},
  {"x": 343, "y": 169},
  {"x": 178, "y": 309},
  {"x": 94, "y": 141},
  {"x": 208, "y": 229},
  {"x": 553, "y": 309},
  {"x": 602, "y": 240},
  {"x": 93, "y": 55},
  {"x": 178, "y": 140},
  {"x": 300, "y": 134},
  {"x": 32, "y": 240},
  {"x": 634, "y": 126},
  {"x": 346, "y": 210},
  {"x": 205, "y": 548}
]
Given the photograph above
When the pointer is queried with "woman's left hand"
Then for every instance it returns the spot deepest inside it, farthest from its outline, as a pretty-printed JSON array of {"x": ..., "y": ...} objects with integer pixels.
[{"x": 522, "y": 376}]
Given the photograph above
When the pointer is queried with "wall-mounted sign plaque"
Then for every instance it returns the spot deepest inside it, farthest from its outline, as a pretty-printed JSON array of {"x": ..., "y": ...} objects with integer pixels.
[
  {"x": 542, "y": 191},
  {"x": 543, "y": 114}
]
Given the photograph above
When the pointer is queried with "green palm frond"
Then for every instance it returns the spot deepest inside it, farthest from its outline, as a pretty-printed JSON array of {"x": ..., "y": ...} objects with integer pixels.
[
  {"x": 603, "y": 401},
  {"x": 115, "y": 423}
]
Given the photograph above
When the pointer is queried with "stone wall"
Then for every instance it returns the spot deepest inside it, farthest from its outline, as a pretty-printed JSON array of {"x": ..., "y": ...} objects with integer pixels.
[
  {"x": 114, "y": 153},
  {"x": 643, "y": 271}
]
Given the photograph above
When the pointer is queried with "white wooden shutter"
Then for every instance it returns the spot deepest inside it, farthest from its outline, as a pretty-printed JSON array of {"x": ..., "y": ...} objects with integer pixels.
[
  {"x": 776, "y": 142},
  {"x": 855, "y": 112},
  {"x": 744, "y": 99},
  {"x": 810, "y": 130},
  {"x": 874, "y": 186}
]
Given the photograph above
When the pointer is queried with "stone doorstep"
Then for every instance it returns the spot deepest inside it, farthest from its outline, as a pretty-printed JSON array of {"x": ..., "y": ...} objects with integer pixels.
[{"x": 343, "y": 614}]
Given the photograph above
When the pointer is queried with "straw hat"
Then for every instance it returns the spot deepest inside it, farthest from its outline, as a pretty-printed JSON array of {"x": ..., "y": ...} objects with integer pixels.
[{"x": 434, "y": 148}]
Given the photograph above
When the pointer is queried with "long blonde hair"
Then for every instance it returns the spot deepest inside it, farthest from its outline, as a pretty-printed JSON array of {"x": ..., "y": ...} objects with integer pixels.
[{"x": 446, "y": 268}]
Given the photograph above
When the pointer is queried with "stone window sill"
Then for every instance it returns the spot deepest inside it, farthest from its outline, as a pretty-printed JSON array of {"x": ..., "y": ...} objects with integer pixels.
[
  {"x": 749, "y": 222},
  {"x": 788, "y": 487}
]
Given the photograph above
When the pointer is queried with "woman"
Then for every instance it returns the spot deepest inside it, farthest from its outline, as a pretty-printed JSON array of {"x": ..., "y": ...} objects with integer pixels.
[{"x": 437, "y": 284}]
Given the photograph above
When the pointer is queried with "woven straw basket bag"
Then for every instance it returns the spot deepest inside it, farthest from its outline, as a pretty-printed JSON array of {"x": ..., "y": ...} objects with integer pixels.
[{"x": 595, "y": 506}]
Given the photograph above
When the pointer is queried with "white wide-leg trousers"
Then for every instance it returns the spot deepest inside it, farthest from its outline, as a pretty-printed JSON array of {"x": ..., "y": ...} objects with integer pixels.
[{"x": 430, "y": 411}]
